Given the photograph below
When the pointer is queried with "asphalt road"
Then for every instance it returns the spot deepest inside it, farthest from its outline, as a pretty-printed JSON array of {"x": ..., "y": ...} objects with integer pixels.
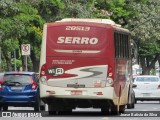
[{"x": 148, "y": 110}]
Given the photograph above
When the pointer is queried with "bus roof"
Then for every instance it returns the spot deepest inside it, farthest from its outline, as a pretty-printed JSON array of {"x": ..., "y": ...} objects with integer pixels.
[{"x": 105, "y": 21}]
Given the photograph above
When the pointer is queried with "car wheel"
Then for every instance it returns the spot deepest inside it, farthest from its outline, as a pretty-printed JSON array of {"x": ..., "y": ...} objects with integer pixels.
[
  {"x": 5, "y": 108},
  {"x": 37, "y": 104},
  {"x": 129, "y": 106},
  {"x": 133, "y": 105}
]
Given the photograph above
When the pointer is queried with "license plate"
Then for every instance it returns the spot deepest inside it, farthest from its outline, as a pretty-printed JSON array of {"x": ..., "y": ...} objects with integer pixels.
[
  {"x": 16, "y": 88},
  {"x": 76, "y": 85},
  {"x": 146, "y": 94},
  {"x": 76, "y": 92}
]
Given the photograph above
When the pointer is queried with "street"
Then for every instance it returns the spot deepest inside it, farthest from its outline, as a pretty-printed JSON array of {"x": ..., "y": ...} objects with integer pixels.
[{"x": 150, "y": 108}]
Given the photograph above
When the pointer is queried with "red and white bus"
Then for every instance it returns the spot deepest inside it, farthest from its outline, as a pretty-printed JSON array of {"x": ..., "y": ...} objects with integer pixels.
[{"x": 85, "y": 63}]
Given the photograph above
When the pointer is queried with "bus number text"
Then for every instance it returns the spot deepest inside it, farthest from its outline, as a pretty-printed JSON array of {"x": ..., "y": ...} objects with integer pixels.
[{"x": 80, "y": 28}]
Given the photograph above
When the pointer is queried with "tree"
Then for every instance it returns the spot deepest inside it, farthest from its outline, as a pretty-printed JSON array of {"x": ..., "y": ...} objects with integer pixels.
[
  {"x": 141, "y": 18},
  {"x": 49, "y": 10},
  {"x": 21, "y": 22},
  {"x": 78, "y": 8},
  {"x": 8, "y": 40},
  {"x": 145, "y": 32},
  {"x": 24, "y": 25},
  {"x": 118, "y": 10}
]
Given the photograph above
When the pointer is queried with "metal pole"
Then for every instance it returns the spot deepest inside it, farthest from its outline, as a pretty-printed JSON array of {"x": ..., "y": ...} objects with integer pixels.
[
  {"x": 15, "y": 66},
  {"x": 26, "y": 63},
  {"x": 0, "y": 54},
  {"x": 0, "y": 59},
  {"x": 1, "y": 34}
]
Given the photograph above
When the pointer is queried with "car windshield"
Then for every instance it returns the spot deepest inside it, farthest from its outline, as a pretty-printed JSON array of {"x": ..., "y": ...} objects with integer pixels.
[
  {"x": 20, "y": 79},
  {"x": 147, "y": 79}
]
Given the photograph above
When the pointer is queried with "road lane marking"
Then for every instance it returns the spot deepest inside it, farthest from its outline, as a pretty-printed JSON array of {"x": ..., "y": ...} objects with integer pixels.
[{"x": 105, "y": 118}]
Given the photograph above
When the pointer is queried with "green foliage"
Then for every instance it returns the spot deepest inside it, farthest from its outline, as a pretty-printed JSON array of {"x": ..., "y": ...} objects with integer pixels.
[
  {"x": 18, "y": 63},
  {"x": 76, "y": 9},
  {"x": 146, "y": 25},
  {"x": 10, "y": 45},
  {"x": 118, "y": 10},
  {"x": 26, "y": 8},
  {"x": 21, "y": 21},
  {"x": 8, "y": 8},
  {"x": 23, "y": 26},
  {"x": 148, "y": 49},
  {"x": 49, "y": 9}
]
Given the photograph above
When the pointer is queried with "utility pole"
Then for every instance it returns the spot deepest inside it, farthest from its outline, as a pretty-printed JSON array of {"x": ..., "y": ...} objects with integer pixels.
[
  {"x": 0, "y": 51},
  {"x": 15, "y": 66}
]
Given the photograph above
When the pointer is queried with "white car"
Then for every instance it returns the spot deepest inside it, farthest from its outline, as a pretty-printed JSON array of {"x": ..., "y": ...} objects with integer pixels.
[{"x": 147, "y": 87}]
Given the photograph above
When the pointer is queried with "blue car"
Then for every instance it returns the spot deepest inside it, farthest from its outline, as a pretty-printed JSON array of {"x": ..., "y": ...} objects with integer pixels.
[{"x": 19, "y": 89}]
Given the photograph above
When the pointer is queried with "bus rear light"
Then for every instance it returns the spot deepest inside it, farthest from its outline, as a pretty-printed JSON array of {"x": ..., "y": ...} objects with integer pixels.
[
  {"x": 43, "y": 79},
  {"x": 43, "y": 69},
  {"x": 109, "y": 82},
  {"x": 98, "y": 83},
  {"x": 110, "y": 74},
  {"x": 42, "y": 73}
]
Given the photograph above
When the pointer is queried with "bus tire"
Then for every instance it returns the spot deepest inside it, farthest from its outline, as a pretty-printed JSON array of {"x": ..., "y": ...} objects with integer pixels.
[
  {"x": 68, "y": 112},
  {"x": 114, "y": 110},
  {"x": 105, "y": 111},
  {"x": 129, "y": 106},
  {"x": 52, "y": 112},
  {"x": 122, "y": 108}
]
